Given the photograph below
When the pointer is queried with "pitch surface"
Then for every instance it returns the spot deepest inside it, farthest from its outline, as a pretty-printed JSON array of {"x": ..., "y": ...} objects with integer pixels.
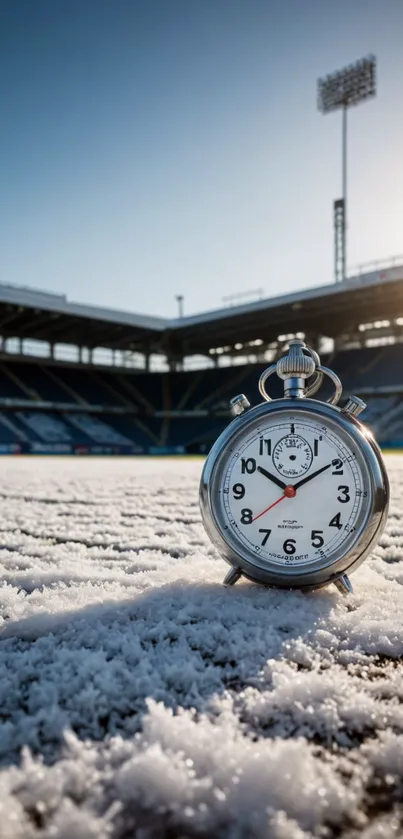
[{"x": 139, "y": 698}]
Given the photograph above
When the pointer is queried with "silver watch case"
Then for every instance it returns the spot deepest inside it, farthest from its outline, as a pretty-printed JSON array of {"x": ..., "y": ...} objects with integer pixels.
[{"x": 288, "y": 577}]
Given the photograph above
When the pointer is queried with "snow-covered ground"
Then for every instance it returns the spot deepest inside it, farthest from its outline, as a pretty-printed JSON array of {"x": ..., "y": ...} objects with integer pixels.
[{"x": 139, "y": 698}]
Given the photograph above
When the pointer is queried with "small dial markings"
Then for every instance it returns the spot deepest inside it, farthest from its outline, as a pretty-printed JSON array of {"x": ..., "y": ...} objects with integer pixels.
[{"x": 292, "y": 455}]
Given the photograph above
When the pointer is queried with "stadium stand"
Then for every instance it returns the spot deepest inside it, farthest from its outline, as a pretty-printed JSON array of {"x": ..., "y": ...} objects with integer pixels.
[
  {"x": 98, "y": 431},
  {"x": 48, "y": 405},
  {"x": 195, "y": 407},
  {"x": 47, "y": 428}
]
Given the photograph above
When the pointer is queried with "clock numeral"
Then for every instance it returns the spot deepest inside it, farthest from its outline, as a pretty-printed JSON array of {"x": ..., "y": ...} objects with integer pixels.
[
  {"x": 345, "y": 494},
  {"x": 338, "y": 466},
  {"x": 239, "y": 491},
  {"x": 292, "y": 428},
  {"x": 265, "y": 538},
  {"x": 262, "y": 443},
  {"x": 336, "y": 522},
  {"x": 248, "y": 465},
  {"x": 316, "y": 538},
  {"x": 289, "y": 546},
  {"x": 246, "y": 516}
]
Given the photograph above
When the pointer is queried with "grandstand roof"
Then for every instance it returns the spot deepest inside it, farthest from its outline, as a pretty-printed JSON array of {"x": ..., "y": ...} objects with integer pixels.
[
  {"x": 327, "y": 310},
  {"x": 27, "y": 313}
]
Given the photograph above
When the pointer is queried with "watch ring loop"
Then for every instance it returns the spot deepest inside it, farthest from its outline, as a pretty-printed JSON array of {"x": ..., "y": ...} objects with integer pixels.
[
  {"x": 338, "y": 388},
  {"x": 312, "y": 388},
  {"x": 263, "y": 379},
  {"x": 320, "y": 373},
  {"x": 272, "y": 369}
]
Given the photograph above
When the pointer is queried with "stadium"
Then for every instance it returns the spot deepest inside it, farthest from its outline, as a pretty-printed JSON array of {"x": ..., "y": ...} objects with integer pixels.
[
  {"x": 148, "y": 147},
  {"x": 110, "y": 401}
]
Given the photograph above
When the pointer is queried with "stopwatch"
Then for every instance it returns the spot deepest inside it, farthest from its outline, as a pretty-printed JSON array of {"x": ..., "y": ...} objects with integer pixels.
[{"x": 294, "y": 493}]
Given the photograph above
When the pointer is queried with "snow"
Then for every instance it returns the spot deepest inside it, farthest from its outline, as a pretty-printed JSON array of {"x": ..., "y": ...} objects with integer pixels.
[{"x": 140, "y": 698}]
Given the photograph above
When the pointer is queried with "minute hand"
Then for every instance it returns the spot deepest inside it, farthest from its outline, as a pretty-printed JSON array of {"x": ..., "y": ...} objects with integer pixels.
[{"x": 309, "y": 478}]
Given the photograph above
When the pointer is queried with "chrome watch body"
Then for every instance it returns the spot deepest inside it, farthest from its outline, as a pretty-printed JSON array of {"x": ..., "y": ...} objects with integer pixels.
[{"x": 294, "y": 493}]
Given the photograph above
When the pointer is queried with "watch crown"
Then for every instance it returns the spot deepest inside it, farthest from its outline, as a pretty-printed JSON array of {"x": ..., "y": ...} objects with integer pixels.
[
  {"x": 239, "y": 404},
  {"x": 295, "y": 362},
  {"x": 354, "y": 406}
]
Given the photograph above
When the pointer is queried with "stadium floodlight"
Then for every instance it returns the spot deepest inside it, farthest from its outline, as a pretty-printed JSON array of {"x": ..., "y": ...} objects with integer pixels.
[
  {"x": 341, "y": 90},
  {"x": 349, "y": 86}
]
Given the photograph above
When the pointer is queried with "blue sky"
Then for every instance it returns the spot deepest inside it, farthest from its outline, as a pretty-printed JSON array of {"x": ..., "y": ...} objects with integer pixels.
[{"x": 156, "y": 147}]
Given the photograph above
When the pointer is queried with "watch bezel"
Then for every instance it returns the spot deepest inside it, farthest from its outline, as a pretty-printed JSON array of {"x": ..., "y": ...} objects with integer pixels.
[{"x": 290, "y": 577}]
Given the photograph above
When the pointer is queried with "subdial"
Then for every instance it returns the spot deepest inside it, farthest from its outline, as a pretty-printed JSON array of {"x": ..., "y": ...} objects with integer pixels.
[{"x": 292, "y": 456}]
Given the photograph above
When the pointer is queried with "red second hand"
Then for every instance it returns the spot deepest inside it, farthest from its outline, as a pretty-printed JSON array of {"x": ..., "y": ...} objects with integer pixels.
[{"x": 289, "y": 492}]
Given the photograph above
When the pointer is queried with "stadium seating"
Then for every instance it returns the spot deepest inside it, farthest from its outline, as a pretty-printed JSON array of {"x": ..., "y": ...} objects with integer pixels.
[
  {"x": 10, "y": 384},
  {"x": 45, "y": 403},
  {"x": 48, "y": 428},
  {"x": 138, "y": 431},
  {"x": 98, "y": 431},
  {"x": 11, "y": 430},
  {"x": 41, "y": 381},
  {"x": 85, "y": 386}
]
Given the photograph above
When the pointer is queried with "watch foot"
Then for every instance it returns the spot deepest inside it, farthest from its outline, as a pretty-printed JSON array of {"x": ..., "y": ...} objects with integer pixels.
[
  {"x": 232, "y": 577},
  {"x": 343, "y": 584}
]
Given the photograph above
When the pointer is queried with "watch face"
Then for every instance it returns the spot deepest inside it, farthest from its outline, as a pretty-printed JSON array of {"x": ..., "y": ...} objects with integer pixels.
[{"x": 292, "y": 490}]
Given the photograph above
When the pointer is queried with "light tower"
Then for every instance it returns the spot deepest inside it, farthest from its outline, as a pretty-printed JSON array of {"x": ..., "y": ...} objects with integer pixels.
[
  {"x": 342, "y": 89},
  {"x": 179, "y": 299}
]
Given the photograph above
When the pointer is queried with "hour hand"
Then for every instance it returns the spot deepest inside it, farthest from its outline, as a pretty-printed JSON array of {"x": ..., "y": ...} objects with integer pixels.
[{"x": 271, "y": 477}]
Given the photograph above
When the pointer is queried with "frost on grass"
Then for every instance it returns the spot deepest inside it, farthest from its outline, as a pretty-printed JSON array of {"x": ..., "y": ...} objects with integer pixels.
[{"x": 139, "y": 698}]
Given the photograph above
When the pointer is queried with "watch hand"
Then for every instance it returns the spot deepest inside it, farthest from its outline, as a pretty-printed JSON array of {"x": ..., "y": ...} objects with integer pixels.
[
  {"x": 273, "y": 478},
  {"x": 289, "y": 492},
  {"x": 314, "y": 474}
]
